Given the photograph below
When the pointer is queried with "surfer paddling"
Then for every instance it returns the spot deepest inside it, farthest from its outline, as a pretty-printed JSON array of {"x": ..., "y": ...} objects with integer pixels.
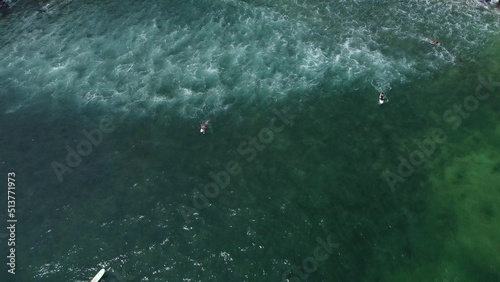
[
  {"x": 432, "y": 42},
  {"x": 381, "y": 98},
  {"x": 204, "y": 127}
]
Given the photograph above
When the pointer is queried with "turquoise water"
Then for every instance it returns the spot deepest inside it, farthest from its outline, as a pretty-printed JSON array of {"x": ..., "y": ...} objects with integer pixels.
[{"x": 156, "y": 70}]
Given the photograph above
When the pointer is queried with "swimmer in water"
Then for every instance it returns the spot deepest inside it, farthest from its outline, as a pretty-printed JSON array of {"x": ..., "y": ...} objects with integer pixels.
[
  {"x": 381, "y": 98},
  {"x": 204, "y": 127}
]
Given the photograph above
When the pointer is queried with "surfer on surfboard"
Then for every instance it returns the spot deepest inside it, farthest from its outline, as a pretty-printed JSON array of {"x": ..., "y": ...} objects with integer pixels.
[
  {"x": 433, "y": 42},
  {"x": 382, "y": 99},
  {"x": 204, "y": 127}
]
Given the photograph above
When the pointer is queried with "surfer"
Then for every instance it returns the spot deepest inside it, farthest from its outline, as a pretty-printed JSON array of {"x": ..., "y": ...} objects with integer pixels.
[
  {"x": 204, "y": 127},
  {"x": 381, "y": 98}
]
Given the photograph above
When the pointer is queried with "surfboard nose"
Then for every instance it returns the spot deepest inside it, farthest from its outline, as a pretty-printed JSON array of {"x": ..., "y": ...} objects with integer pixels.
[{"x": 99, "y": 275}]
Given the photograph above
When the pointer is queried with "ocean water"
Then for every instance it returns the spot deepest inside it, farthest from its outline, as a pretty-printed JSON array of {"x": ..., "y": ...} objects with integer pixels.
[{"x": 301, "y": 176}]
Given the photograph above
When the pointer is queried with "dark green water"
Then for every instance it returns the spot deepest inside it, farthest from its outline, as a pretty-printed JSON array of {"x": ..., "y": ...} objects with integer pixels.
[{"x": 157, "y": 70}]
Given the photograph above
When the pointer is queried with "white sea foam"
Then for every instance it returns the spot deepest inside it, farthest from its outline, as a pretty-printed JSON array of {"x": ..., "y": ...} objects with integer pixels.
[{"x": 195, "y": 63}]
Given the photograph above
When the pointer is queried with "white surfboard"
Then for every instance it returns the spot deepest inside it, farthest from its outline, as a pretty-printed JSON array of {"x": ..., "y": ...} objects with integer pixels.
[
  {"x": 99, "y": 275},
  {"x": 380, "y": 102}
]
